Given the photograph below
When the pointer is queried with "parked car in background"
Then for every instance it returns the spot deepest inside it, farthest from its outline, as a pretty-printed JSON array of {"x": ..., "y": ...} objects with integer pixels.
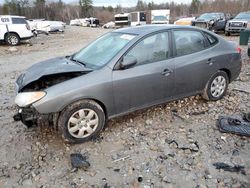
[
  {"x": 109, "y": 25},
  {"x": 215, "y": 21},
  {"x": 13, "y": 29},
  {"x": 185, "y": 21},
  {"x": 44, "y": 26},
  {"x": 123, "y": 71},
  {"x": 238, "y": 24}
]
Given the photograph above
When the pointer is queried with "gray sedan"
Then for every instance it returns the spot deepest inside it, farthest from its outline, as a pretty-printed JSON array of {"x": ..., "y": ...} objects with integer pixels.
[{"x": 123, "y": 71}]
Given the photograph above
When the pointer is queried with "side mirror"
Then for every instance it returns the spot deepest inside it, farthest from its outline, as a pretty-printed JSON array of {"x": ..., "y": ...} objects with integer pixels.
[{"x": 128, "y": 61}]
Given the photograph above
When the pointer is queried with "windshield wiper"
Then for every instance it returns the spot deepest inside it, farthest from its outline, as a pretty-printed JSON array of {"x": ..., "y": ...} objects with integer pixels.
[{"x": 71, "y": 58}]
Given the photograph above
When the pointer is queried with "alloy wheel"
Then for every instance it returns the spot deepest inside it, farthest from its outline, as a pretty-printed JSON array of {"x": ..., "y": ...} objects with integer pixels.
[{"x": 83, "y": 123}]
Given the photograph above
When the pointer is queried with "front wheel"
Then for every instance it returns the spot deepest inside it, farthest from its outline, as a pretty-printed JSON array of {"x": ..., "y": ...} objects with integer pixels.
[
  {"x": 12, "y": 39},
  {"x": 81, "y": 121},
  {"x": 216, "y": 87}
]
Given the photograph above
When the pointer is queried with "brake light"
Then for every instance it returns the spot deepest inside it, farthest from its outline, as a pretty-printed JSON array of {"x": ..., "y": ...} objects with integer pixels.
[
  {"x": 238, "y": 49},
  {"x": 27, "y": 26}
]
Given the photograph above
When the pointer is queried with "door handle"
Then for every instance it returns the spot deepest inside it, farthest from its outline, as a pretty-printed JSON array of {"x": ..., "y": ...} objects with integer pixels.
[
  {"x": 210, "y": 61},
  {"x": 166, "y": 72}
]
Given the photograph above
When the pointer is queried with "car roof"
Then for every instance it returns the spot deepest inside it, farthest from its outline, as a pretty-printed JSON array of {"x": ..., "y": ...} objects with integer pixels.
[{"x": 145, "y": 29}]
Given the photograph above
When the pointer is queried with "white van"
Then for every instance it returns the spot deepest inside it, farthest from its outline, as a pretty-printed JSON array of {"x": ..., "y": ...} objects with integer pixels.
[{"x": 13, "y": 29}]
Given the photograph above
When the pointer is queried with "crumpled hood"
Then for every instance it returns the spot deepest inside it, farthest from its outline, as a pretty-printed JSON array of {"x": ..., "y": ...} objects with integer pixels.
[{"x": 48, "y": 67}]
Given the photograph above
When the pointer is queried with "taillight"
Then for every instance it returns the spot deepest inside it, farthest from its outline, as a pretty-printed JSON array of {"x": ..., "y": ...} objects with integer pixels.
[
  {"x": 27, "y": 26},
  {"x": 238, "y": 49}
]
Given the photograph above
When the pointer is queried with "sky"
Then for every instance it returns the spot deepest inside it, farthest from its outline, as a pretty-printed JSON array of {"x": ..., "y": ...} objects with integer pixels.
[{"x": 125, "y": 3}]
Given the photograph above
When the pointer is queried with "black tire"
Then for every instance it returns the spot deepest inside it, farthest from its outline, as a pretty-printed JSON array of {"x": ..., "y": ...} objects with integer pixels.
[
  {"x": 12, "y": 39},
  {"x": 69, "y": 111},
  {"x": 207, "y": 92}
]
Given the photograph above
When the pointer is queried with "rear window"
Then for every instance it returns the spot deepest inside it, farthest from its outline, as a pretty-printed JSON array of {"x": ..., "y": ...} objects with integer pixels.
[
  {"x": 211, "y": 39},
  {"x": 18, "y": 21}
]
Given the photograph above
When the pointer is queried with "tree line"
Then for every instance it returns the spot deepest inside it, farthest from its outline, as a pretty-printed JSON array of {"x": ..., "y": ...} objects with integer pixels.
[{"x": 58, "y": 10}]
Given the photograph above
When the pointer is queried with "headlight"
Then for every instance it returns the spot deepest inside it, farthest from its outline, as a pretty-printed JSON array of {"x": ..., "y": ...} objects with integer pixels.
[
  {"x": 248, "y": 25},
  {"x": 26, "y": 98},
  {"x": 211, "y": 22}
]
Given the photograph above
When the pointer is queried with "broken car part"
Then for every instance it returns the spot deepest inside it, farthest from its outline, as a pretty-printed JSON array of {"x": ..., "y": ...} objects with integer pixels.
[
  {"x": 234, "y": 125},
  {"x": 79, "y": 161},
  {"x": 228, "y": 168}
]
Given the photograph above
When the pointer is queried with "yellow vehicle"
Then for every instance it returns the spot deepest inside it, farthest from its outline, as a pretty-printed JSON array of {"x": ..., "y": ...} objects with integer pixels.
[{"x": 184, "y": 21}]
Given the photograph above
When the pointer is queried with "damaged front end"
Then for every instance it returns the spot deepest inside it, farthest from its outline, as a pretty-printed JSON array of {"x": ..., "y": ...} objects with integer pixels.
[
  {"x": 31, "y": 86},
  {"x": 205, "y": 24}
]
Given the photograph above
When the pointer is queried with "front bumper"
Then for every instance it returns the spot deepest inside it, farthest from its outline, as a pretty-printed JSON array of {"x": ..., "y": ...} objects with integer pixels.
[
  {"x": 29, "y": 116},
  {"x": 235, "y": 29}
]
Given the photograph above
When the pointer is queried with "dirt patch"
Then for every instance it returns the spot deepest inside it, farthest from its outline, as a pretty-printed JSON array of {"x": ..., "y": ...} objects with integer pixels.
[{"x": 172, "y": 145}]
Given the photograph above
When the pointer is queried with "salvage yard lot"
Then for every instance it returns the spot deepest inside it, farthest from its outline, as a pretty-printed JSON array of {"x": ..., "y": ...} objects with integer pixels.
[{"x": 172, "y": 145}]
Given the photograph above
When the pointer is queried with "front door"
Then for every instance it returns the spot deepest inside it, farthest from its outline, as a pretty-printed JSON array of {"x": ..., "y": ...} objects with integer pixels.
[{"x": 150, "y": 81}]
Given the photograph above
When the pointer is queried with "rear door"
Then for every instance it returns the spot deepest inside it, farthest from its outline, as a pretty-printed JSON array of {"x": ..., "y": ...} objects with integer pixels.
[
  {"x": 20, "y": 26},
  {"x": 194, "y": 62},
  {"x": 150, "y": 81}
]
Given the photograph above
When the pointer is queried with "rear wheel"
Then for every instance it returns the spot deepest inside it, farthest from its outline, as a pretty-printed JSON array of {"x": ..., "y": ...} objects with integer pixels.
[
  {"x": 81, "y": 121},
  {"x": 216, "y": 87},
  {"x": 12, "y": 39}
]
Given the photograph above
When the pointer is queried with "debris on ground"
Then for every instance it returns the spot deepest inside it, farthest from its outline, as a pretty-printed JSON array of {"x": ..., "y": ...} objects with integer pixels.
[
  {"x": 228, "y": 168},
  {"x": 79, "y": 161},
  {"x": 227, "y": 124}
]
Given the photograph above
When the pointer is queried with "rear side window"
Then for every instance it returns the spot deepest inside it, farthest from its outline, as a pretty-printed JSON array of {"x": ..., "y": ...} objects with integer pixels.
[
  {"x": 211, "y": 39},
  {"x": 18, "y": 21},
  {"x": 188, "y": 42}
]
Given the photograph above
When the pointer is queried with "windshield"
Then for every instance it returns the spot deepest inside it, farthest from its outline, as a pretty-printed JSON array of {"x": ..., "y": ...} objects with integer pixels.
[
  {"x": 101, "y": 51},
  {"x": 243, "y": 16},
  {"x": 209, "y": 16},
  {"x": 160, "y": 18}
]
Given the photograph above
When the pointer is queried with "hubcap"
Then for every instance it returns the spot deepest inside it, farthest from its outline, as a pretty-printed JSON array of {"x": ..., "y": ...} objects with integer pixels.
[
  {"x": 83, "y": 123},
  {"x": 218, "y": 86},
  {"x": 13, "y": 40}
]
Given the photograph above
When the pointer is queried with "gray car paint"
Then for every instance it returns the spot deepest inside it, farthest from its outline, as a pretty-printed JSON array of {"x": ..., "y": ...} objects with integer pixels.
[{"x": 122, "y": 91}]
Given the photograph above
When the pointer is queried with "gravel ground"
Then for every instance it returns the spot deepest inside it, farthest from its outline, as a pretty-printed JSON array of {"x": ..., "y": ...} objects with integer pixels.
[{"x": 172, "y": 145}]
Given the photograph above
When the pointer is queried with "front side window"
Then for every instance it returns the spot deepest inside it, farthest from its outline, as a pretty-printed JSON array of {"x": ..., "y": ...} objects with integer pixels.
[
  {"x": 151, "y": 49},
  {"x": 188, "y": 42}
]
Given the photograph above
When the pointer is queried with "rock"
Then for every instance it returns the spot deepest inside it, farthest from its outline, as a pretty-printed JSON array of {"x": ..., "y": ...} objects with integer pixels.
[
  {"x": 12, "y": 49},
  {"x": 27, "y": 183},
  {"x": 149, "y": 122},
  {"x": 167, "y": 179}
]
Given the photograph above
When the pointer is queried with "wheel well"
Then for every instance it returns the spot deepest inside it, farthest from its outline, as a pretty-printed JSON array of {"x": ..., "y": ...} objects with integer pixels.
[
  {"x": 5, "y": 35},
  {"x": 97, "y": 101},
  {"x": 228, "y": 73},
  {"x": 102, "y": 105}
]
